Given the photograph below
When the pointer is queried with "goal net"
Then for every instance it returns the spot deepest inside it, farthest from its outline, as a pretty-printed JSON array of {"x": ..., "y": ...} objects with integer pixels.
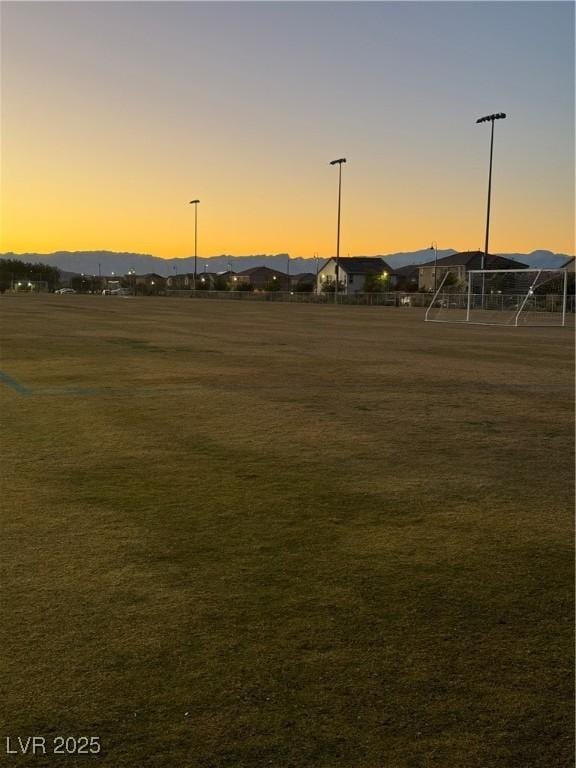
[{"x": 503, "y": 297}]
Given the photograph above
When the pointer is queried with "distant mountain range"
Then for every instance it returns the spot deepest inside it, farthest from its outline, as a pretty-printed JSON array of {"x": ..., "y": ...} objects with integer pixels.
[{"x": 106, "y": 262}]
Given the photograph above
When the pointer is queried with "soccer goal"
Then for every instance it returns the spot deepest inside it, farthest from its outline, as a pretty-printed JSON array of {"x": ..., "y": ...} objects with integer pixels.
[{"x": 503, "y": 297}]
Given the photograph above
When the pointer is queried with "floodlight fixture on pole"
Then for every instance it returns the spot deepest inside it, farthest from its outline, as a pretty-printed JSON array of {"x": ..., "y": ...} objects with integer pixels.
[
  {"x": 489, "y": 119},
  {"x": 195, "y": 204},
  {"x": 339, "y": 164}
]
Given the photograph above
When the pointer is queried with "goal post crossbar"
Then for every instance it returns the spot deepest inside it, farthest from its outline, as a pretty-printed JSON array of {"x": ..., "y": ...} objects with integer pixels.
[{"x": 518, "y": 271}]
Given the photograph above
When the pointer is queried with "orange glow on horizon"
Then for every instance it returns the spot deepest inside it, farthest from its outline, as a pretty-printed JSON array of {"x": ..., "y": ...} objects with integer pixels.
[{"x": 73, "y": 215}]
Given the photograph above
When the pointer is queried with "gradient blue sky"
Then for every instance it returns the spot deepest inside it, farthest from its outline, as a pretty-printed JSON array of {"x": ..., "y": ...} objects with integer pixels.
[{"x": 114, "y": 115}]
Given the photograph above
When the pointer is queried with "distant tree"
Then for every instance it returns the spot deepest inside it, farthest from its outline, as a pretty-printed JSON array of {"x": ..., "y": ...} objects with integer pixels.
[
  {"x": 221, "y": 283},
  {"x": 273, "y": 285},
  {"x": 85, "y": 284},
  {"x": 76, "y": 283},
  {"x": 153, "y": 288},
  {"x": 377, "y": 283},
  {"x": 243, "y": 287},
  {"x": 328, "y": 286},
  {"x": 50, "y": 275},
  {"x": 303, "y": 287},
  {"x": 13, "y": 270},
  {"x": 10, "y": 270},
  {"x": 451, "y": 283}
]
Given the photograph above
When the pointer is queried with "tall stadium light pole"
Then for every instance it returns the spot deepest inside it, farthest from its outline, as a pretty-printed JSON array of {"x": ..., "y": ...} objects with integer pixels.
[
  {"x": 434, "y": 247},
  {"x": 195, "y": 204},
  {"x": 339, "y": 164},
  {"x": 489, "y": 119}
]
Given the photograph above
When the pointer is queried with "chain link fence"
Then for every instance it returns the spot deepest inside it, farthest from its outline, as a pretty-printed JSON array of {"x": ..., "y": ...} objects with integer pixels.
[
  {"x": 548, "y": 303},
  {"x": 393, "y": 299}
]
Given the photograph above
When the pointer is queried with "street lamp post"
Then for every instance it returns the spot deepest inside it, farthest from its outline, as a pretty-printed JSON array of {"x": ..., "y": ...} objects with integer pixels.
[
  {"x": 489, "y": 119},
  {"x": 339, "y": 164},
  {"x": 434, "y": 247},
  {"x": 132, "y": 272},
  {"x": 195, "y": 204}
]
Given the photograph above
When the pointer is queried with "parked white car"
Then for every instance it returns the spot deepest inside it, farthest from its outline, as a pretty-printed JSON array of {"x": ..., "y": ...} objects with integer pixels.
[{"x": 65, "y": 290}]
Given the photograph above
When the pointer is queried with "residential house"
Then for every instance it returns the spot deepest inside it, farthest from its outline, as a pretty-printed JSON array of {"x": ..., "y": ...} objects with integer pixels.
[
  {"x": 431, "y": 274},
  {"x": 205, "y": 281},
  {"x": 406, "y": 278},
  {"x": 265, "y": 279},
  {"x": 185, "y": 281},
  {"x": 353, "y": 271},
  {"x": 181, "y": 282},
  {"x": 305, "y": 281},
  {"x": 148, "y": 284},
  {"x": 227, "y": 275},
  {"x": 232, "y": 279}
]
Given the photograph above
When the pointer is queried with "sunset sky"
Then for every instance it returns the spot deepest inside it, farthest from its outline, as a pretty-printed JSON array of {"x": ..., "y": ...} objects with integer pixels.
[{"x": 115, "y": 115}]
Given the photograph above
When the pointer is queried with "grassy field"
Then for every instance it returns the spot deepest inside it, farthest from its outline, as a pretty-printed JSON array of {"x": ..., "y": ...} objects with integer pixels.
[{"x": 253, "y": 535}]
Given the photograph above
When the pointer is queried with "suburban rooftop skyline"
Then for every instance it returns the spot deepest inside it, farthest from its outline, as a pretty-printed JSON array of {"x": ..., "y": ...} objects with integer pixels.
[{"x": 116, "y": 115}]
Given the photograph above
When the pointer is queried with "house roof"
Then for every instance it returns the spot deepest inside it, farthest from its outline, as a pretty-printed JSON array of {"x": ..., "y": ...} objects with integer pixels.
[
  {"x": 408, "y": 271},
  {"x": 569, "y": 265},
  {"x": 362, "y": 265},
  {"x": 255, "y": 270},
  {"x": 473, "y": 260},
  {"x": 303, "y": 276}
]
